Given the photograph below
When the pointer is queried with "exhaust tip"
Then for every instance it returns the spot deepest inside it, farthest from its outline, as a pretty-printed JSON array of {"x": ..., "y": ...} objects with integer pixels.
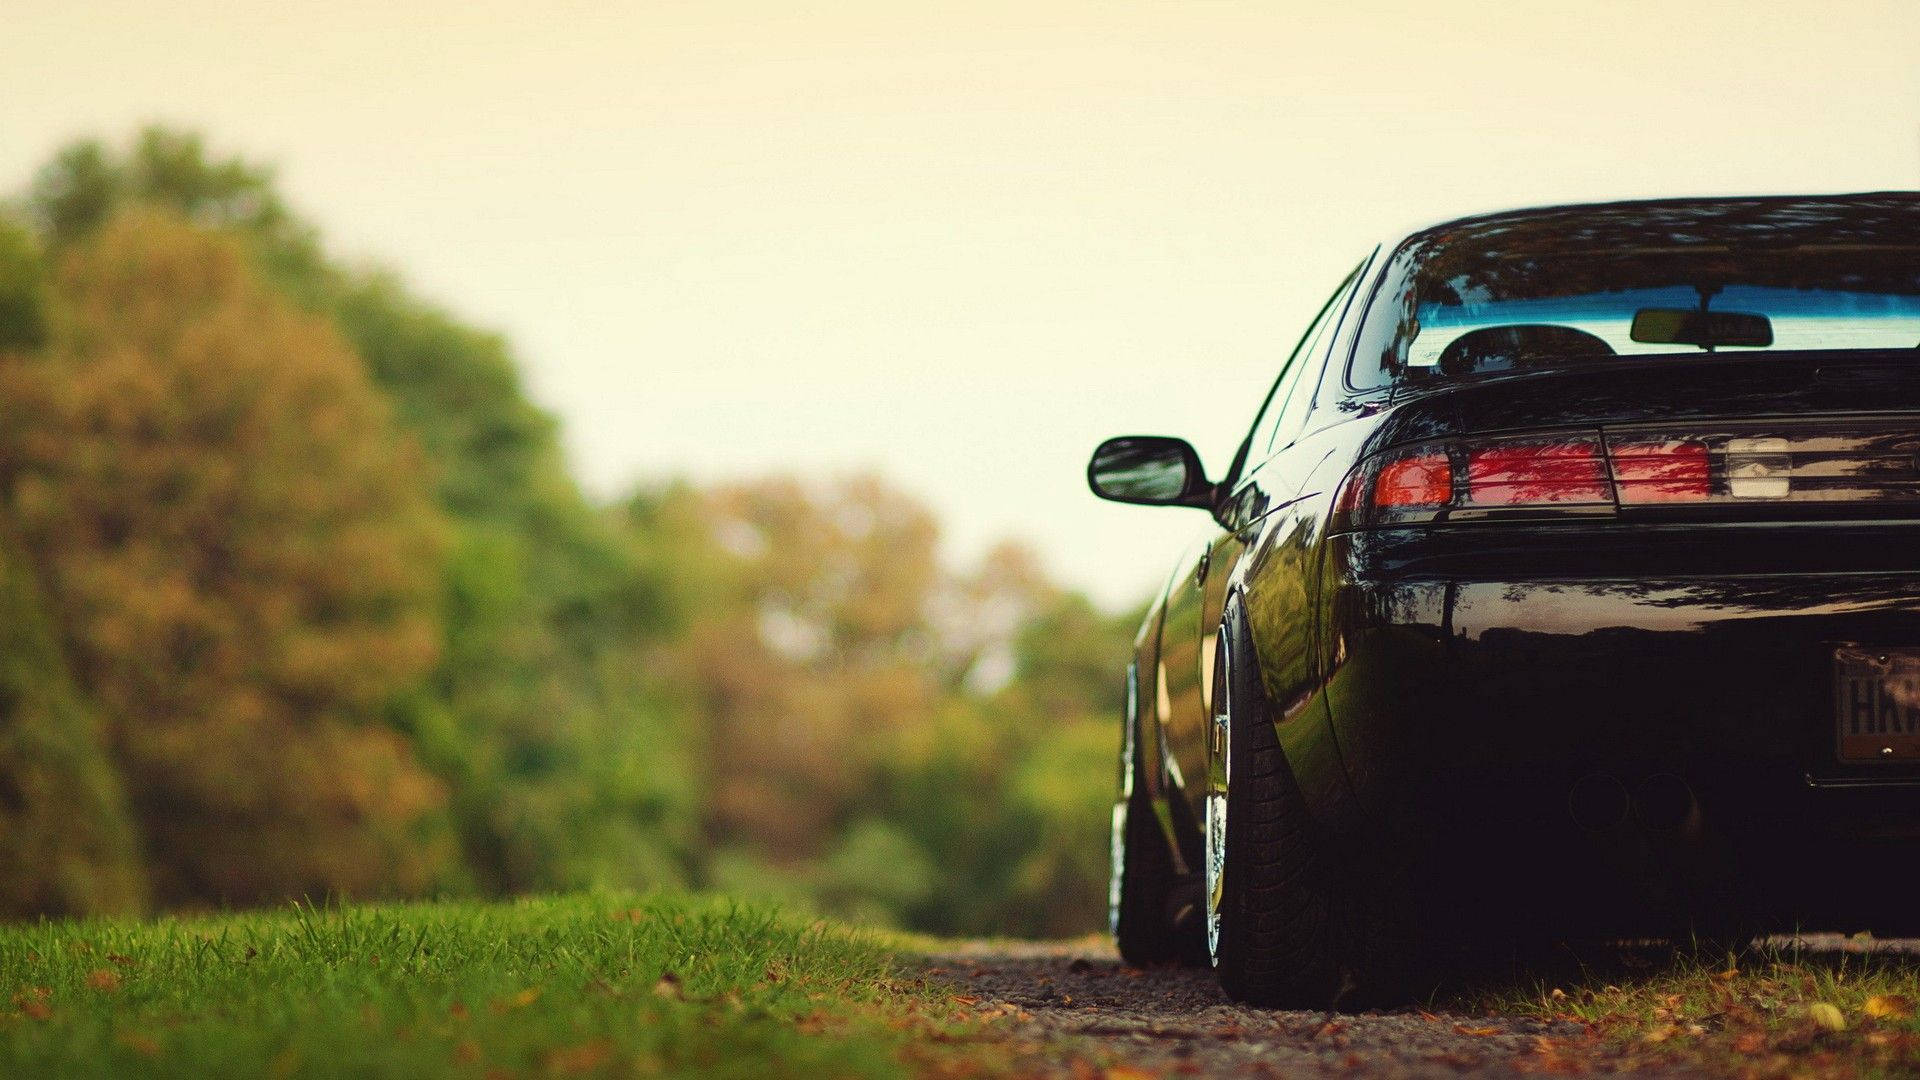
[
  {"x": 1598, "y": 802},
  {"x": 1663, "y": 802}
]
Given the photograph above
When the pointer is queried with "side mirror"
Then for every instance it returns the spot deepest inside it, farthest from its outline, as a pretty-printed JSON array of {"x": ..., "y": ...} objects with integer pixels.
[{"x": 1150, "y": 470}]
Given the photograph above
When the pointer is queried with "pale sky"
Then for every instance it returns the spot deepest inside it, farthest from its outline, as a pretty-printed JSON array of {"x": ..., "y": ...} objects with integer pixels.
[{"x": 955, "y": 243}]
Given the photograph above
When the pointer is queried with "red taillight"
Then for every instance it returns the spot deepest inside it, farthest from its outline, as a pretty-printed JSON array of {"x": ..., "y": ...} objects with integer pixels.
[
  {"x": 1580, "y": 473},
  {"x": 1421, "y": 480},
  {"x": 1534, "y": 473},
  {"x": 1672, "y": 470}
]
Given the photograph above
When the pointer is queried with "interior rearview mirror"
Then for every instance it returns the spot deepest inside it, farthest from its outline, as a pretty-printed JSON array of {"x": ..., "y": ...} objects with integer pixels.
[
  {"x": 1707, "y": 329},
  {"x": 1150, "y": 470}
]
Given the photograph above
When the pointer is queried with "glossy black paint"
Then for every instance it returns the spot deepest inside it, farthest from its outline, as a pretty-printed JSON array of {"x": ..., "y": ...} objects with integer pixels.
[{"x": 1447, "y": 694}]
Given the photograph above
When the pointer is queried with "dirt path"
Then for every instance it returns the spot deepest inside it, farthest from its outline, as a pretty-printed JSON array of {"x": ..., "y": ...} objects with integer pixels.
[{"x": 1079, "y": 1004}]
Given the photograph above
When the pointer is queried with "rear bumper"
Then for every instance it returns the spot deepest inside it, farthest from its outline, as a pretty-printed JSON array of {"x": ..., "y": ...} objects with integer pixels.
[{"x": 1616, "y": 755}]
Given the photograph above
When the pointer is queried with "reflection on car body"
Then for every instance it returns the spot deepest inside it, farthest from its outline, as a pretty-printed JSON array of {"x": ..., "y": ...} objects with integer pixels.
[{"x": 1544, "y": 580}]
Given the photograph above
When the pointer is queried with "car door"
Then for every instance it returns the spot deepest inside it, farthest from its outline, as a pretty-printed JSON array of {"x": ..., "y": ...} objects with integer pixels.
[{"x": 1258, "y": 483}]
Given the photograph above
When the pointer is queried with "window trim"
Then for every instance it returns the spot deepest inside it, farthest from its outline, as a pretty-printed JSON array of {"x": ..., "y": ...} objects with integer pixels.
[
  {"x": 1238, "y": 470},
  {"x": 1344, "y": 333}
]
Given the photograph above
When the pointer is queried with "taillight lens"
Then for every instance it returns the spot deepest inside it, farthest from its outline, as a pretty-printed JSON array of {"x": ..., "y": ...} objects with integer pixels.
[
  {"x": 1867, "y": 467},
  {"x": 1417, "y": 481},
  {"x": 1495, "y": 477},
  {"x": 1537, "y": 473},
  {"x": 1663, "y": 471}
]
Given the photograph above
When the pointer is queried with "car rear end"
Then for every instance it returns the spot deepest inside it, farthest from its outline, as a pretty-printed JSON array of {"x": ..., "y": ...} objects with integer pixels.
[{"x": 1631, "y": 644}]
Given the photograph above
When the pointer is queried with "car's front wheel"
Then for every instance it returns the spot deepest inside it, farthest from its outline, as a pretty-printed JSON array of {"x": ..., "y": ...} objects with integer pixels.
[
  {"x": 1144, "y": 893},
  {"x": 1276, "y": 929}
]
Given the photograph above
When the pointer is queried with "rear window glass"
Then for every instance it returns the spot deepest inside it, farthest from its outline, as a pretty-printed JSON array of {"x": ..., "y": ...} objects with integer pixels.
[{"x": 1585, "y": 284}]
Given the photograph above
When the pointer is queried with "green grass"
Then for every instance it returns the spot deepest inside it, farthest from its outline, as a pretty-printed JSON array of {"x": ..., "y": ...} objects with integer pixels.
[
  {"x": 597, "y": 986},
  {"x": 1779, "y": 1011}
]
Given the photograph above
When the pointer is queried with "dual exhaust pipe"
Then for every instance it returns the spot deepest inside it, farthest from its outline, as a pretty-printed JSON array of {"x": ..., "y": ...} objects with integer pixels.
[{"x": 1662, "y": 803}]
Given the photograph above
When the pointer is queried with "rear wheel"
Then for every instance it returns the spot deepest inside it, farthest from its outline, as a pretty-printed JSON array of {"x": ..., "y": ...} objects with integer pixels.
[{"x": 1277, "y": 930}]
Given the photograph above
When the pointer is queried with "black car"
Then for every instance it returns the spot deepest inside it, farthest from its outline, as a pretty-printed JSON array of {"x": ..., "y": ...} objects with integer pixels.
[{"x": 1566, "y": 585}]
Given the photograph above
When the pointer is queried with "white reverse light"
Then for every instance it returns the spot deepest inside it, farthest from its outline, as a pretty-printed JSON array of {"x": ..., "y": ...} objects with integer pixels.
[{"x": 1758, "y": 468}]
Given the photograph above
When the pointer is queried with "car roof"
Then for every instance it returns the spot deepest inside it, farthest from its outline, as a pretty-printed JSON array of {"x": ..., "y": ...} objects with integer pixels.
[{"x": 1653, "y": 207}]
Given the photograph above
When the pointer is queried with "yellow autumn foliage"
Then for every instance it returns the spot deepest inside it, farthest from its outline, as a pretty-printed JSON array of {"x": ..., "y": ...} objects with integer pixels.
[{"x": 241, "y": 553}]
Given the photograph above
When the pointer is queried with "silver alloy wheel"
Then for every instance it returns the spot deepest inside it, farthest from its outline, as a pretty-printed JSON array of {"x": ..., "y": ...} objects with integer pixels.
[
  {"x": 1117, "y": 853},
  {"x": 1116, "y": 867},
  {"x": 1219, "y": 771}
]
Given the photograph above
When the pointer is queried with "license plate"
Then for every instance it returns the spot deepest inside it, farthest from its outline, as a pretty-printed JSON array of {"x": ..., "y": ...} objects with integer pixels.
[{"x": 1877, "y": 704}]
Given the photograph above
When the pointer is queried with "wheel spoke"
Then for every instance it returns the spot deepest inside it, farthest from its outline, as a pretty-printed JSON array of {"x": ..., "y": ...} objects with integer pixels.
[
  {"x": 1117, "y": 866},
  {"x": 1219, "y": 772}
]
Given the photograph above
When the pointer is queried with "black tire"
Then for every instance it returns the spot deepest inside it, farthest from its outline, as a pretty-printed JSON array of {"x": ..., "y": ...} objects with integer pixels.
[
  {"x": 1284, "y": 935},
  {"x": 1146, "y": 892}
]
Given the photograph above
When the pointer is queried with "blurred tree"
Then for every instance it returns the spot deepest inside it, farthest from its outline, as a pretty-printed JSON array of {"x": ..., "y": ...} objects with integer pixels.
[
  {"x": 563, "y": 761},
  {"x": 24, "y": 304},
  {"x": 808, "y": 642},
  {"x": 240, "y": 552},
  {"x": 66, "y": 841},
  {"x": 887, "y": 740},
  {"x": 566, "y": 764},
  {"x": 769, "y": 686}
]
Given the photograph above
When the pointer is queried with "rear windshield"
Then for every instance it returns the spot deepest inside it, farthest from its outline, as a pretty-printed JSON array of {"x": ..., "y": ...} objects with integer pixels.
[{"x": 1586, "y": 284}]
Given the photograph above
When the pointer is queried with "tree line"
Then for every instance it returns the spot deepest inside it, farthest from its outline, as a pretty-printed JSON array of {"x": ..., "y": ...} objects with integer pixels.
[{"x": 298, "y": 599}]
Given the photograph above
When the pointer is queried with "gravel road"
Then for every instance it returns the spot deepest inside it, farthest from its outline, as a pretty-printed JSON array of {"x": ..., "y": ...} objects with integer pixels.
[{"x": 1077, "y": 1006}]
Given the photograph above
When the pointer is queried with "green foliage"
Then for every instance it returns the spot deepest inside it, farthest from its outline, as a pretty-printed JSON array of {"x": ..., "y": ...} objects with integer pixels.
[
  {"x": 65, "y": 837},
  {"x": 24, "y": 301},
  {"x": 860, "y": 755},
  {"x": 602, "y": 985},
  {"x": 316, "y": 562},
  {"x": 239, "y": 592},
  {"x": 539, "y": 718},
  {"x": 562, "y": 761}
]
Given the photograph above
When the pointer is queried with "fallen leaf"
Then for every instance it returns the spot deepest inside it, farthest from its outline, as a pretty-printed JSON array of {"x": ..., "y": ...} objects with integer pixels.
[
  {"x": 1827, "y": 1016},
  {"x": 668, "y": 987},
  {"x": 1889, "y": 1006},
  {"x": 466, "y": 1052},
  {"x": 1127, "y": 1072},
  {"x": 1476, "y": 1032},
  {"x": 104, "y": 979},
  {"x": 518, "y": 1001},
  {"x": 579, "y": 1059},
  {"x": 36, "y": 1010},
  {"x": 1750, "y": 1042}
]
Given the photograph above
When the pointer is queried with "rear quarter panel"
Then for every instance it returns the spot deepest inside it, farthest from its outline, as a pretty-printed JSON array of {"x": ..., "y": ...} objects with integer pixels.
[{"x": 1280, "y": 578}]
